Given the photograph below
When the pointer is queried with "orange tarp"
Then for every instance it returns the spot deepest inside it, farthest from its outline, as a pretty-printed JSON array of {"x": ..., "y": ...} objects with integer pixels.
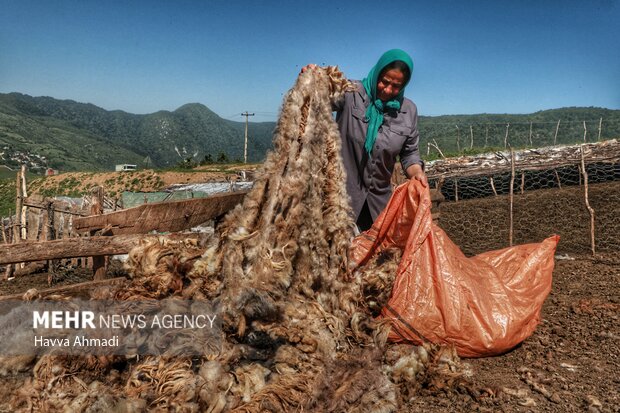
[{"x": 483, "y": 305}]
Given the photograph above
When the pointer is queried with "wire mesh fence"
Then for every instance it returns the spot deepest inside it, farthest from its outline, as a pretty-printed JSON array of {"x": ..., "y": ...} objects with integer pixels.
[
  {"x": 460, "y": 135},
  {"x": 514, "y": 199}
]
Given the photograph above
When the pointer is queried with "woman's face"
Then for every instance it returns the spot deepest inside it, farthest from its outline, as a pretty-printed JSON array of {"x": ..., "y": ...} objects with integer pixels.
[{"x": 389, "y": 84}]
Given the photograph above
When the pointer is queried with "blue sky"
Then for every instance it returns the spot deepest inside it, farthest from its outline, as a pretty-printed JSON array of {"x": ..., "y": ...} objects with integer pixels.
[{"x": 470, "y": 56}]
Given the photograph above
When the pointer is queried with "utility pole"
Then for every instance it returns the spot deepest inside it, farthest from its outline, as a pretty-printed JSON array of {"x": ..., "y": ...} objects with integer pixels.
[{"x": 245, "y": 145}]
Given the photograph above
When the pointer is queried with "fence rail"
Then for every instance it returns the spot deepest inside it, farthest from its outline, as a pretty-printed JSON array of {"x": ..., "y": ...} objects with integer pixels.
[
  {"x": 440, "y": 138},
  {"x": 493, "y": 203}
]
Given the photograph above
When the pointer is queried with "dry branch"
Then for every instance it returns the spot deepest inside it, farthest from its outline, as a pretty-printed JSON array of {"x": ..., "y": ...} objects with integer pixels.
[
  {"x": 557, "y": 177},
  {"x": 436, "y": 146},
  {"x": 525, "y": 160},
  {"x": 585, "y": 131},
  {"x": 493, "y": 185},
  {"x": 585, "y": 192}
]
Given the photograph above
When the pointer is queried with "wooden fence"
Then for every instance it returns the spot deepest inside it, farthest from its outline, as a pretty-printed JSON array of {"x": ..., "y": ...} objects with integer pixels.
[{"x": 45, "y": 233}]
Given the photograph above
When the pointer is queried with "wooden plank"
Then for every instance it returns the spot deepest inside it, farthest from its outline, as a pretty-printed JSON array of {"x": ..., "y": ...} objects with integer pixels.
[
  {"x": 67, "y": 288},
  {"x": 56, "y": 206},
  {"x": 79, "y": 247},
  {"x": 161, "y": 216}
]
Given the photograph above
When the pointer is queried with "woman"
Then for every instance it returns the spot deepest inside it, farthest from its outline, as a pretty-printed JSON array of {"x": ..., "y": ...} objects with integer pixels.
[{"x": 378, "y": 125}]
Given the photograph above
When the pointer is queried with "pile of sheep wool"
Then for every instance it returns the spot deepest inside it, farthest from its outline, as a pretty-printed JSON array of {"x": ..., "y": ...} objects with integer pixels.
[{"x": 298, "y": 333}]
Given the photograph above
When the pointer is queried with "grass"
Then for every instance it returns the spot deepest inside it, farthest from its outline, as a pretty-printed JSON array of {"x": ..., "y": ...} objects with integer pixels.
[
  {"x": 7, "y": 196},
  {"x": 7, "y": 173}
]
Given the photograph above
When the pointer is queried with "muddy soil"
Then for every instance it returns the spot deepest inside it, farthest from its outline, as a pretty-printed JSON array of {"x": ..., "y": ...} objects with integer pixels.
[{"x": 570, "y": 364}]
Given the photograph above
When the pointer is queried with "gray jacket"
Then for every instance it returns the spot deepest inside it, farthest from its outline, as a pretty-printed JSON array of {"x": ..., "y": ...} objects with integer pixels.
[{"x": 368, "y": 178}]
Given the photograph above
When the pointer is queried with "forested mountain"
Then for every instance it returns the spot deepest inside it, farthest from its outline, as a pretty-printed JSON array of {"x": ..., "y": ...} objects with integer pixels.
[
  {"x": 77, "y": 136},
  {"x": 539, "y": 129},
  {"x": 67, "y": 135}
]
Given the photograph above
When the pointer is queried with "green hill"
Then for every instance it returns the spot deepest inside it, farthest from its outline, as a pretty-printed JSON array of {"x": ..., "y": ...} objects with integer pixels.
[
  {"x": 538, "y": 129},
  {"x": 67, "y": 135},
  {"x": 78, "y": 136}
]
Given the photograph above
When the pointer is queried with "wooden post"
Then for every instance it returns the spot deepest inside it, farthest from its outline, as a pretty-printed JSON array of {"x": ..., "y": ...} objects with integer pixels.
[
  {"x": 9, "y": 227},
  {"x": 557, "y": 177},
  {"x": 456, "y": 190},
  {"x": 555, "y": 137},
  {"x": 522, "y": 182},
  {"x": 506, "y": 137},
  {"x": 531, "y": 134},
  {"x": 8, "y": 273},
  {"x": 471, "y": 133},
  {"x": 245, "y": 142},
  {"x": 60, "y": 232},
  {"x": 4, "y": 238},
  {"x": 585, "y": 131},
  {"x": 99, "y": 261},
  {"x": 458, "y": 139},
  {"x": 24, "y": 234},
  {"x": 50, "y": 234},
  {"x": 512, "y": 183},
  {"x": 19, "y": 202},
  {"x": 40, "y": 225},
  {"x": 600, "y": 124},
  {"x": 19, "y": 218},
  {"x": 585, "y": 192},
  {"x": 71, "y": 232},
  {"x": 493, "y": 185}
]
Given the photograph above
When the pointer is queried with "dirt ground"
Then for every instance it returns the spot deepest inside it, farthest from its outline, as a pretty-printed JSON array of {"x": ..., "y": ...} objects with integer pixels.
[
  {"x": 146, "y": 180},
  {"x": 570, "y": 364}
]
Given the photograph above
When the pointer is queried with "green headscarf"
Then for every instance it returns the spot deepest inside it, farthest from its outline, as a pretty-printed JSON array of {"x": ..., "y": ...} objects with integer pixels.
[{"x": 375, "y": 110}]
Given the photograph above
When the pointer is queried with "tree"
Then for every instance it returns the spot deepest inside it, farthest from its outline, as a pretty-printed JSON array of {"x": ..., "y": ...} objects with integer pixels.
[
  {"x": 222, "y": 158},
  {"x": 187, "y": 163},
  {"x": 208, "y": 159}
]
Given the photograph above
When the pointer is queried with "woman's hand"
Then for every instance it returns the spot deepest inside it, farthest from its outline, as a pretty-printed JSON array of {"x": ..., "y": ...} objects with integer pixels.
[{"x": 416, "y": 172}]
